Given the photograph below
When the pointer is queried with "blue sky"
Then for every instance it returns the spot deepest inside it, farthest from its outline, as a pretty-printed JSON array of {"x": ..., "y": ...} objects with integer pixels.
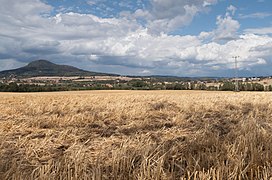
[
  {"x": 206, "y": 21},
  {"x": 140, "y": 37}
]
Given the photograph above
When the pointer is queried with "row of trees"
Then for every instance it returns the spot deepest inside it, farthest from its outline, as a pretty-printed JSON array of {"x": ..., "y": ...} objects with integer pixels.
[
  {"x": 133, "y": 85},
  {"x": 226, "y": 86},
  {"x": 229, "y": 86},
  {"x": 14, "y": 87}
]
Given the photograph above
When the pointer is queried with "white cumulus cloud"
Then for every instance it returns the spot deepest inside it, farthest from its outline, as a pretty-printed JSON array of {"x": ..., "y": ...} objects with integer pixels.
[{"x": 123, "y": 45}]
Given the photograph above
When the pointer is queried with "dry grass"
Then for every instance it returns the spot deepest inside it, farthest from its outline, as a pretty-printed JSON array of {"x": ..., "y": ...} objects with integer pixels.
[{"x": 136, "y": 135}]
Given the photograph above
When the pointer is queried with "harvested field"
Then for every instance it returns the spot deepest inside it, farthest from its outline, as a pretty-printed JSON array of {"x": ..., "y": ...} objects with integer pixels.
[{"x": 136, "y": 135}]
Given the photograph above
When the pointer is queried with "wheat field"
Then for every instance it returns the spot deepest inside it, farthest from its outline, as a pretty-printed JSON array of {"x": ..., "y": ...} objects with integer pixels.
[{"x": 136, "y": 135}]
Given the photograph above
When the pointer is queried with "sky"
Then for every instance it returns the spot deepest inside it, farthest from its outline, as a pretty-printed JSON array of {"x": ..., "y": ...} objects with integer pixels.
[{"x": 140, "y": 37}]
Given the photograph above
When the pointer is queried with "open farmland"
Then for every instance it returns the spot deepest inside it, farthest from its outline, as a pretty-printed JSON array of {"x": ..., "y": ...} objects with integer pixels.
[{"x": 136, "y": 135}]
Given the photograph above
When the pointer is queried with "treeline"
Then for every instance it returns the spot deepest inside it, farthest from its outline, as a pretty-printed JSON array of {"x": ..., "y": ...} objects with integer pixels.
[
  {"x": 225, "y": 86},
  {"x": 132, "y": 85},
  {"x": 14, "y": 87},
  {"x": 229, "y": 86}
]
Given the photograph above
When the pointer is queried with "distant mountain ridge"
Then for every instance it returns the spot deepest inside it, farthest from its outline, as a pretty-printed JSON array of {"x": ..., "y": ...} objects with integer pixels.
[{"x": 47, "y": 68}]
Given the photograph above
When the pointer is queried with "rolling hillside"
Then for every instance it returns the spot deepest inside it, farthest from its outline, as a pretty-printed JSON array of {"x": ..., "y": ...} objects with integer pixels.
[{"x": 47, "y": 68}]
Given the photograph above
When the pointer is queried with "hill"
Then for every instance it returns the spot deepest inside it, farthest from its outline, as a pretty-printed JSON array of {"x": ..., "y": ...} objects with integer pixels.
[{"x": 47, "y": 68}]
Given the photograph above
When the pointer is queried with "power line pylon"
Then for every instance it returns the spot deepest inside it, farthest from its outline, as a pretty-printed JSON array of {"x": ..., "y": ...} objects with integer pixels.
[{"x": 236, "y": 73}]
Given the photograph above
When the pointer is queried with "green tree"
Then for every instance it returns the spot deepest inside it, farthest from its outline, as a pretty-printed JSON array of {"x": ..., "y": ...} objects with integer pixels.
[
  {"x": 13, "y": 87},
  {"x": 227, "y": 86},
  {"x": 257, "y": 87}
]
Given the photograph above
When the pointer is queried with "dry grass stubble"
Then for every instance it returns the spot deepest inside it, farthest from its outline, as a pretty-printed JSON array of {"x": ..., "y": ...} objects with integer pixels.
[{"x": 136, "y": 135}]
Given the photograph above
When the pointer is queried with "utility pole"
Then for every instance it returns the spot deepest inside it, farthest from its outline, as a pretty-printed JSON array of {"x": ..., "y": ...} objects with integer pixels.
[{"x": 236, "y": 73}]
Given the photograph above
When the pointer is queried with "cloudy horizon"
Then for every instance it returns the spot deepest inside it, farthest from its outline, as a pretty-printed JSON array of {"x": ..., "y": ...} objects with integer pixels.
[{"x": 139, "y": 37}]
